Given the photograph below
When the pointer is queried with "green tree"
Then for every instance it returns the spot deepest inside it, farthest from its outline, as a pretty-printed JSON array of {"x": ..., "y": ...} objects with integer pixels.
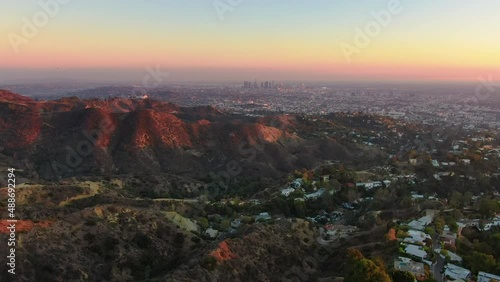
[
  {"x": 209, "y": 263},
  {"x": 203, "y": 222},
  {"x": 480, "y": 262},
  {"x": 402, "y": 276},
  {"x": 488, "y": 208},
  {"x": 335, "y": 184},
  {"x": 457, "y": 200},
  {"x": 383, "y": 195},
  {"x": 225, "y": 224},
  {"x": 300, "y": 208}
]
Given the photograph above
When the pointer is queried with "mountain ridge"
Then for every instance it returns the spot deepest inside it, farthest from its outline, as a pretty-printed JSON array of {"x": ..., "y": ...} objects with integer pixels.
[{"x": 73, "y": 137}]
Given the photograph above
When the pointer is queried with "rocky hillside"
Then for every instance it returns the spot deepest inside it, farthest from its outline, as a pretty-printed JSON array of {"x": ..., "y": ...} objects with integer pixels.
[{"x": 72, "y": 137}]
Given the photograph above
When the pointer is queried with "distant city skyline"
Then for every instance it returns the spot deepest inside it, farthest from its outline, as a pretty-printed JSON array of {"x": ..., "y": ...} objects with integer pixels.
[{"x": 322, "y": 40}]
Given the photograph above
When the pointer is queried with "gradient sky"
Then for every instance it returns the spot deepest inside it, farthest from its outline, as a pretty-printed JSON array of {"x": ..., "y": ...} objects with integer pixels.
[{"x": 456, "y": 40}]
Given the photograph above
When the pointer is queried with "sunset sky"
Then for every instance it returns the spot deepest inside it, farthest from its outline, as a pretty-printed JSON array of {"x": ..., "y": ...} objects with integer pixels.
[{"x": 434, "y": 40}]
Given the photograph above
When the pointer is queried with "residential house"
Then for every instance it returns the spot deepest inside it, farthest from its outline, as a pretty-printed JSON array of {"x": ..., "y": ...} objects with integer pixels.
[
  {"x": 297, "y": 183},
  {"x": 487, "y": 277},
  {"x": 448, "y": 237},
  {"x": 254, "y": 201},
  {"x": 465, "y": 161},
  {"x": 347, "y": 206},
  {"x": 287, "y": 191},
  {"x": 416, "y": 237},
  {"x": 421, "y": 223},
  {"x": 364, "y": 185},
  {"x": 416, "y": 196},
  {"x": 212, "y": 233},
  {"x": 416, "y": 251},
  {"x": 316, "y": 194},
  {"x": 453, "y": 257},
  {"x": 236, "y": 223},
  {"x": 456, "y": 272},
  {"x": 409, "y": 265},
  {"x": 491, "y": 224},
  {"x": 263, "y": 216}
]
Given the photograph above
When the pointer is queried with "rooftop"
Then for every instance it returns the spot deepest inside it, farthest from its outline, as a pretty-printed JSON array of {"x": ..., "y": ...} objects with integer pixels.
[
  {"x": 416, "y": 251},
  {"x": 456, "y": 272},
  {"x": 486, "y": 277},
  {"x": 406, "y": 264}
]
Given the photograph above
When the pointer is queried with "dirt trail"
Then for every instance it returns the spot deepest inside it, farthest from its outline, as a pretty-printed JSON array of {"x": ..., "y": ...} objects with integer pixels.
[{"x": 94, "y": 190}]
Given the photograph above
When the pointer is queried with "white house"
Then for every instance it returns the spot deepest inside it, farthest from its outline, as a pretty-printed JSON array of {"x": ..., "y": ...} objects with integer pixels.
[
  {"x": 453, "y": 257},
  {"x": 416, "y": 237},
  {"x": 316, "y": 194},
  {"x": 297, "y": 183},
  {"x": 491, "y": 224},
  {"x": 421, "y": 223},
  {"x": 487, "y": 277},
  {"x": 465, "y": 161},
  {"x": 417, "y": 196},
  {"x": 287, "y": 191},
  {"x": 263, "y": 216},
  {"x": 409, "y": 265},
  {"x": 456, "y": 272},
  {"x": 416, "y": 251},
  {"x": 212, "y": 233}
]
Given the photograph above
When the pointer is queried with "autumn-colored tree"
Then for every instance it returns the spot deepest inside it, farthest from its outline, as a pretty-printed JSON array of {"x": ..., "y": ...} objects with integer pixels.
[
  {"x": 439, "y": 224},
  {"x": 379, "y": 262},
  {"x": 361, "y": 269},
  {"x": 354, "y": 255},
  {"x": 367, "y": 271}
]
